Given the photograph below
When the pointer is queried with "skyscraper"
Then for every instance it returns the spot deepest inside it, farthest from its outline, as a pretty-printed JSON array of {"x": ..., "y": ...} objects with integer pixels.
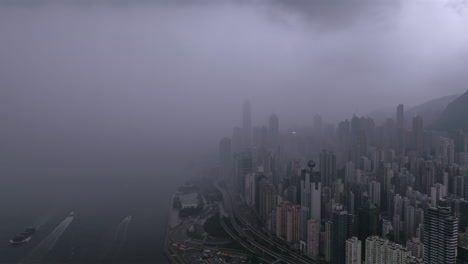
[
  {"x": 374, "y": 192},
  {"x": 313, "y": 235},
  {"x": 328, "y": 240},
  {"x": 461, "y": 147},
  {"x": 388, "y": 136},
  {"x": 400, "y": 115},
  {"x": 236, "y": 142},
  {"x": 281, "y": 219},
  {"x": 446, "y": 150},
  {"x": 225, "y": 153},
  {"x": 244, "y": 165},
  {"x": 305, "y": 202},
  {"x": 396, "y": 224},
  {"x": 273, "y": 131},
  {"x": 440, "y": 236},
  {"x": 427, "y": 176},
  {"x": 315, "y": 197},
  {"x": 416, "y": 247},
  {"x": 382, "y": 251},
  {"x": 368, "y": 219},
  {"x": 293, "y": 221},
  {"x": 344, "y": 139},
  {"x": 267, "y": 203},
  {"x": 400, "y": 133},
  {"x": 311, "y": 199},
  {"x": 327, "y": 165},
  {"x": 250, "y": 189},
  {"x": 418, "y": 134},
  {"x": 353, "y": 251},
  {"x": 387, "y": 174},
  {"x": 246, "y": 126},
  {"x": 339, "y": 236},
  {"x": 410, "y": 228}
]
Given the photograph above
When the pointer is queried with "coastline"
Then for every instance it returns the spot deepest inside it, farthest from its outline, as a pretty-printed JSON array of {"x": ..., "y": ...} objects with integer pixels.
[{"x": 168, "y": 228}]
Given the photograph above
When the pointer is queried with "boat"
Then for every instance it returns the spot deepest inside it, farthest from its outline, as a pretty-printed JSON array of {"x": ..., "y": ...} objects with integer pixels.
[
  {"x": 72, "y": 213},
  {"x": 25, "y": 236}
]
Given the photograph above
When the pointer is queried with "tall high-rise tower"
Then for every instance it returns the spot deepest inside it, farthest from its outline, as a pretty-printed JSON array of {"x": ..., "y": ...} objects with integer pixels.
[
  {"x": 313, "y": 236},
  {"x": 440, "y": 236},
  {"x": 374, "y": 192},
  {"x": 315, "y": 196},
  {"x": 400, "y": 115},
  {"x": 327, "y": 168},
  {"x": 368, "y": 217},
  {"x": 313, "y": 225},
  {"x": 339, "y": 236},
  {"x": 400, "y": 133},
  {"x": 311, "y": 197},
  {"x": 305, "y": 202},
  {"x": 225, "y": 156},
  {"x": 246, "y": 125},
  {"x": 353, "y": 251},
  {"x": 380, "y": 250},
  {"x": 225, "y": 152},
  {"x": 273, "y": 131},
  {"x": 418, "y": 134}
]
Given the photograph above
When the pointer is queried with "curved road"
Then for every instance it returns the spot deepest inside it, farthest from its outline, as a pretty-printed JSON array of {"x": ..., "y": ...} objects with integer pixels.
[{"x": 292, "y": 256}]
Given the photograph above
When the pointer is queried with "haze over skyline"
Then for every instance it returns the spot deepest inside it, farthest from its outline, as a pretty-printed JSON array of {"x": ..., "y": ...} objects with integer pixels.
[
  {"x": 122, "y": 62},
  {"x": 107, "y": 106},
  {"x": 102, "y": 86}
]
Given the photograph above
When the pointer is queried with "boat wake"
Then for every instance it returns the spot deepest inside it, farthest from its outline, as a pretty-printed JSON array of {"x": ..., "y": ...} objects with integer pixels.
[
  {"x": 120, "y": 235},
  {"x": 46, "y": 245},
  {"x": 119, "y": 238}
]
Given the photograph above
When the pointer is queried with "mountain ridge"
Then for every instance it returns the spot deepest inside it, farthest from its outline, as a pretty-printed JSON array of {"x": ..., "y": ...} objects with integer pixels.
[
  {"x": 455, "y": 115},
  {"x": 430, "y": 110}
]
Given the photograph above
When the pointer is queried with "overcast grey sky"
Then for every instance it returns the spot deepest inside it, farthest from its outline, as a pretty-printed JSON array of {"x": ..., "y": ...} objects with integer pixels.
[
  {"x": 106, "y": 106},
  {"x": 180, "y": 69}
]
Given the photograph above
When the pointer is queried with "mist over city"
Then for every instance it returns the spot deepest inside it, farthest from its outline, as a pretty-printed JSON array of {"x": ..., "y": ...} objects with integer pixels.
[{"x": 185, "y": 131}]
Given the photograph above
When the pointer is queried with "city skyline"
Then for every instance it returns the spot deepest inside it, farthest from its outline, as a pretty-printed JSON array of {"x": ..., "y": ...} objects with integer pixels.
[
  {"x": 234, "y": 131},
  {"x": 381, "y": 193}
]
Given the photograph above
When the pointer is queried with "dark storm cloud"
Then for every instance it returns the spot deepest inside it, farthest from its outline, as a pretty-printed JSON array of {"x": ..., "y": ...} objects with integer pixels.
[
  {"x": 192, "y": 62},
  {"x": 339, "y": 14}
]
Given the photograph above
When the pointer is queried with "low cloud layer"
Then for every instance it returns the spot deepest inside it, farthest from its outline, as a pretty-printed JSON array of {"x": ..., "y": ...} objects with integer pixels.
[
  {"x": 339, "y": 14},
  {"x": 180, "y": 69}
]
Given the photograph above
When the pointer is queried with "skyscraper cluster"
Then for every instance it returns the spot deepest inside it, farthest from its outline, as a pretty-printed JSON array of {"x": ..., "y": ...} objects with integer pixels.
[{"x": 394, "y": 192}]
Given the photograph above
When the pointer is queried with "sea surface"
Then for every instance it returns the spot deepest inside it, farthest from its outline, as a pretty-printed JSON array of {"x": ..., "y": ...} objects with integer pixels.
[
  {"x": 87, "y": 125},
  {"x": 102, "y": 196}
]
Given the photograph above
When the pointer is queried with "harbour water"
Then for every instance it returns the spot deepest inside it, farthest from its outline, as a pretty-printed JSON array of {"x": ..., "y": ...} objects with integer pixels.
[{"x": 101, "y": 207}]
